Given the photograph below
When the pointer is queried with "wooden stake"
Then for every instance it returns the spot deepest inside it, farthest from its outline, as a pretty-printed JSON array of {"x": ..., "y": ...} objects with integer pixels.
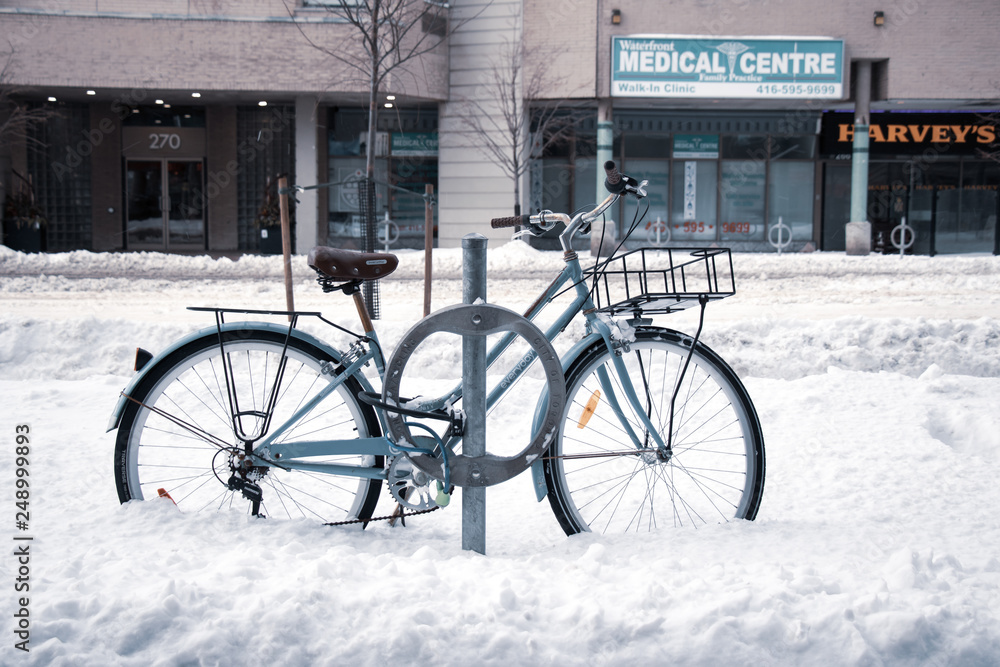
[{"x": 286, "y": 243}]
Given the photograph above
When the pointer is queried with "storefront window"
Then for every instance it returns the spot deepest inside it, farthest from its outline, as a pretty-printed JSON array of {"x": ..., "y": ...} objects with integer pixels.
[
  {"x": 977, "y": 227},
  {"x": 745, "y": 147},
  {"x": 790, "y": 198},
  {"x": 742, "y": 195},
  {"x": 657, "y": 172},
  {"x": 703, "y": 187},
  {"x": 793, "y": 147},
  {"x": 405, "y": 162},
  {"x": 694, "y": 202},
  {"x": 345, "y": 210},
  {"x": 585, "y": 182}
]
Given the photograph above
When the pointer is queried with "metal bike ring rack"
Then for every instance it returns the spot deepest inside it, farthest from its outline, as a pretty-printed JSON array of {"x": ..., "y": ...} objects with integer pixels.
[{"x": 477, "y": 320}]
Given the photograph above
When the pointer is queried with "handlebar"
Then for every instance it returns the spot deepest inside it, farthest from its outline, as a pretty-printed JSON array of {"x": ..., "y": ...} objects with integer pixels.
[
  {"x": 511, "y": 221},
  {"x": 616, "y": 183}
]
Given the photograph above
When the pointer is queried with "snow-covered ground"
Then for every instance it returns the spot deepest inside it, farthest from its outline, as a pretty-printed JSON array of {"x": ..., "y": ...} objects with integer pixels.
[{"x": 877, "y": 542}]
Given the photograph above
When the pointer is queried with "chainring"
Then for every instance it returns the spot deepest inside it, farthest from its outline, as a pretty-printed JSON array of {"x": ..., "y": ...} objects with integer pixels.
[{"x": 410, "y": 486}]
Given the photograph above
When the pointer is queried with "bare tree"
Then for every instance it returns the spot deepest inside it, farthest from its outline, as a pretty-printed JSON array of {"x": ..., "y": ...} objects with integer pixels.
[
  {"x": 17, "y": 117},
  {"x": 393, "y": 34},
  {"x": 508, "y": 125},
  {"x": 16, "y": 121}
]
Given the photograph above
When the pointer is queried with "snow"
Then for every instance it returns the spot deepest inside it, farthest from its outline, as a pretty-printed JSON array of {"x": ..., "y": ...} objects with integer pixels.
[{"x": 876, "y": 544}]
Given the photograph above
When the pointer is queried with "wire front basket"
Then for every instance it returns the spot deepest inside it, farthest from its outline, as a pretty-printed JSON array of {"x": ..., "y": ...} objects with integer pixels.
[{"x": 661, "y": 280}]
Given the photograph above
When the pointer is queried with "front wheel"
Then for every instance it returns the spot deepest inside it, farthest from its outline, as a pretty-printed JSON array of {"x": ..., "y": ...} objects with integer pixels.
[
  {"x": 186, "y": 428},
  {"x": 605, "y": 473}
]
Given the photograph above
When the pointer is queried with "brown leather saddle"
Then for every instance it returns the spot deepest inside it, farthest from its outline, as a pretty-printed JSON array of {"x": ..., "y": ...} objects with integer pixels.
[{"x": 341, "y": 264}]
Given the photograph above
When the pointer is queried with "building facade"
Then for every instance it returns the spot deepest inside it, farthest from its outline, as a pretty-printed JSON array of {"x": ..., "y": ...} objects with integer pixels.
[{"x": 175, "y": 118}]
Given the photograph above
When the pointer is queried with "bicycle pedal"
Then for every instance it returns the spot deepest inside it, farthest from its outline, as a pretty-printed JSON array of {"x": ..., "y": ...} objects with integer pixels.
[{"x": 442, "y": 499}]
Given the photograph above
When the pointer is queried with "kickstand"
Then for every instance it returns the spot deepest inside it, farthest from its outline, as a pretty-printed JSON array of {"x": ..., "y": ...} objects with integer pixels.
[{"x": 400, "y": 514}]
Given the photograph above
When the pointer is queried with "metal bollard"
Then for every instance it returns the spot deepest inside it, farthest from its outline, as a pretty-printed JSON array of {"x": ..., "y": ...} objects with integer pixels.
[{"x": 474, "y": 392}]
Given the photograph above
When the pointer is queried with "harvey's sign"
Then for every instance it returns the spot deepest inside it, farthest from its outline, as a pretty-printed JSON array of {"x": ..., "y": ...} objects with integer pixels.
[
  {"x": 727, "y": 67},
  {"x": 913, "y": 133}
]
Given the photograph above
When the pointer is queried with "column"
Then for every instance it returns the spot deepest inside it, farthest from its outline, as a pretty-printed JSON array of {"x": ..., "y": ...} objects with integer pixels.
[
  {"x": 859, "y": 229},
  {"x": 605, "y": 144}
]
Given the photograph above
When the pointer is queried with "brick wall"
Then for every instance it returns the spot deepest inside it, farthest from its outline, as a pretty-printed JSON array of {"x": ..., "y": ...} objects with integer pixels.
[
  {"x": 936, "y": 50},
  {"x": 197, "y": 54}
]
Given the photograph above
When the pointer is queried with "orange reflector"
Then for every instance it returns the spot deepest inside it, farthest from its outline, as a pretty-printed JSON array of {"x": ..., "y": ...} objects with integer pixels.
[
  {"x": 588, "y": 410},
  {"x": 163, "y": 494}
]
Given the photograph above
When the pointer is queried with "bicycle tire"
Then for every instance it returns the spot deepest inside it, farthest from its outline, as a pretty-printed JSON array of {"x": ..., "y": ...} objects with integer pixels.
[
  {"x": 715, "y": 473},
  {"x": 189, "y": 386}
]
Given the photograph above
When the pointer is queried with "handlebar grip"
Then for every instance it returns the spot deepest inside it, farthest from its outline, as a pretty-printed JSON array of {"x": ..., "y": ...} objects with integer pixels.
[
  {"x": 511, "y": 221},
  {"x": 614, "y": 182}
]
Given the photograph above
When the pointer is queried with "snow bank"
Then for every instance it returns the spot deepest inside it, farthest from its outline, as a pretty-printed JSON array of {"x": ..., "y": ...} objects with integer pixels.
[{"x": 875, "y": 378}]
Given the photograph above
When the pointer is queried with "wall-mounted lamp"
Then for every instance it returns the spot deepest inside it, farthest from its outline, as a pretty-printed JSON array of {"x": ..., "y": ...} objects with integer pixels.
[
  {"x": 616, "y": 16},
  {"x": 879, "y": 19}
]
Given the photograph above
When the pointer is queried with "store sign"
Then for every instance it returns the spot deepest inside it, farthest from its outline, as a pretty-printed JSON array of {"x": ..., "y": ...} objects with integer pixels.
[
  {"x": 727, "y": 67},
  {"x": 696, "y": 146},
  {"x": 153, "y": 142},
  {"x": 914, "y": 133},
  {"x": 417, "y": 144}
]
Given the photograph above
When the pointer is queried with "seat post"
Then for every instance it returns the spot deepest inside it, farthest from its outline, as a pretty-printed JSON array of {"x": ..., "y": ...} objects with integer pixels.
[{"x": 359, "y": 303}]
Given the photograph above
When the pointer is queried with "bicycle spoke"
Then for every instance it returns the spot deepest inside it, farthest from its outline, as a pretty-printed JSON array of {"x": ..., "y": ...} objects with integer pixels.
[{"x": 597, "y": 482}]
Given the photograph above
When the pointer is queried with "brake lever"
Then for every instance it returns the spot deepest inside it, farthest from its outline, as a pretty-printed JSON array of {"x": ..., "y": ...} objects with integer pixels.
[
  {"x": 530, "y": 229},
  {"x": 637, "y": 188}
]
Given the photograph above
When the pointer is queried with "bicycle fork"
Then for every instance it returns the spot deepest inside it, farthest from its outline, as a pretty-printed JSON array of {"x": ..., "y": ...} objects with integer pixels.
[{"x": 663, "y": 447}]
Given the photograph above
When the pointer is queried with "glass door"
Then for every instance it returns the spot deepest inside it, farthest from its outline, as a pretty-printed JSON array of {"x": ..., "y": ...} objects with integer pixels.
[
  {"x": 185, "y": 206},
  {"x": 144, "y": 204},
  {"x": 836, "y": 205},
  {"x": 164, "y": 205}
]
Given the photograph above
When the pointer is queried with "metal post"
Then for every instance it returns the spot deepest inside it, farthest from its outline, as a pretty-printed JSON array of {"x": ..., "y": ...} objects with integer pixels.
[
  {"x": 428, "y": 244},
  {"x": 859, "y": 229},
  {"x": 605, "y": 146},
  {"x": 474, "y": 392}
]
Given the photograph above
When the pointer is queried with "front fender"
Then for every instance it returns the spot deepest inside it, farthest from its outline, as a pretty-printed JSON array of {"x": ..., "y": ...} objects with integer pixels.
[{"x": 213, "y": 331}]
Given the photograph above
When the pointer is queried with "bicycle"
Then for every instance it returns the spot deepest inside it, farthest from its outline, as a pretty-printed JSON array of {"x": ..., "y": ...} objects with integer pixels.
[{"x": 644, "y": 426}]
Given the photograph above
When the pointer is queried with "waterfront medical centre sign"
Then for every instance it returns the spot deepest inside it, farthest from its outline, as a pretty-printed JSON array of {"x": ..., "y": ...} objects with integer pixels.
[{"x": 727, "y": 67}]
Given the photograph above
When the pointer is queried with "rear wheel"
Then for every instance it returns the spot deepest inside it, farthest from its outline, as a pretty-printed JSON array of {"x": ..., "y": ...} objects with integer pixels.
[
  {"x": 178, "y": 432},
  {"x": 600, "y": 480}
]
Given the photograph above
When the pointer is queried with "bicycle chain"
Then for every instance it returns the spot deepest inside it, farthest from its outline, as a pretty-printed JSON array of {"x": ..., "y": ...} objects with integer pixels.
[{"x": 401, "y": 515}]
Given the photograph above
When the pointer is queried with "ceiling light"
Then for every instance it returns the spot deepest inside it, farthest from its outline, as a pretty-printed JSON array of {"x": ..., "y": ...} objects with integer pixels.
[
  {"x": 195, "y": 94},
  {"x": 262, "y": 103},
  {"x": 52, "y": 99},
  {"x": 388, "y": 105},
  {"x": 159, "y": 101},
  {"x": 166, "y": 106},
  {"x": 91, "y": 92},
  {"x": 390, "y": 97}
]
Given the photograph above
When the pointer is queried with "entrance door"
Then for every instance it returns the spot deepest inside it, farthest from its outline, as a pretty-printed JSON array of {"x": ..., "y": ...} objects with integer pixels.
[
  {"x": 165, "y": 205},
  {"x": 836, "y": 205}
]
